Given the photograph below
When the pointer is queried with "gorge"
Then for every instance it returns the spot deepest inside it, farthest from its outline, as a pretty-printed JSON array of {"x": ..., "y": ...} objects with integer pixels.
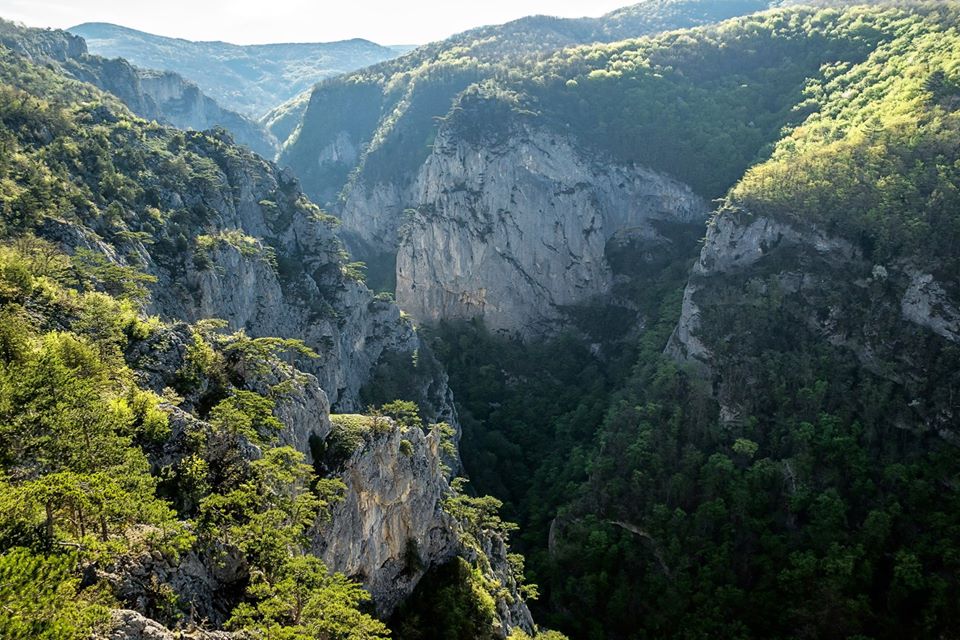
[{"x": 636, "y": 326}]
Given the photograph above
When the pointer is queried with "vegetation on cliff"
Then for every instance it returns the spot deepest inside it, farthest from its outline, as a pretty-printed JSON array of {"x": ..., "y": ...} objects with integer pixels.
[{"x": 811, "y": 470}]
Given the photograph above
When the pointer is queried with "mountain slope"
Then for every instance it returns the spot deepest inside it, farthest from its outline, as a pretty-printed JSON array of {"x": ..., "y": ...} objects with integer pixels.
[
  {"x": 779, "y": 433},
  {"x": 154, "y": 469},
  {"x": 396, "y": 104},
  {"x": 155, "y": 95},
  {"x": 504, "y": 212},
  {"x": 248, "y": 79}
]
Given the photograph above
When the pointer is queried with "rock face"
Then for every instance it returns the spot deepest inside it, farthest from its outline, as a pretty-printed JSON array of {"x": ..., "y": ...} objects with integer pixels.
[
  {"x": 130, "y": 625},
  {"x": 224, "y": 234},
  {"x": 509, "y": 223},
  {"x": 734, "y": 243},
  {"x": 182, "y": 104},
  {"x": 927, "y": 304},
  {"x": 272, "y": 266},
  {"x": 515, "y": 232},
  {"x": 886, "y": 319},
  {"x": 391, "y": 527},
  {"x": 170, "y": 99}
]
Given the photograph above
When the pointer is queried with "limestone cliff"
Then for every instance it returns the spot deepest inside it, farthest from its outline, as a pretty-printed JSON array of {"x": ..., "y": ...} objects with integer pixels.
[
  {"x": 889, "y": 319},
  {"x": 265, "y": 260},
  {"x": 181, "y": 103},
  {"x": 392, "y": 527},
  {"x": 389, "y": 528},
  {"x": 510, "y": 224},
  {"x": 516, "y": 231},
  {"x": 227, "y": 235}
]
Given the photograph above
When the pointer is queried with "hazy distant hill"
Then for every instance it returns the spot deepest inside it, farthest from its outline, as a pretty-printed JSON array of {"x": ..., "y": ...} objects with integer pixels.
[{"x": 249, "y": 79}]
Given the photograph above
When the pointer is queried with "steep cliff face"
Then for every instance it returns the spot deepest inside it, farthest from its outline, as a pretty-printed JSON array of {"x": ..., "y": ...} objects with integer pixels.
[
  {"x": 213, "y": 231},
  {"x": 515, "y": 231},
  {"x": 735, "y": 243},
  {"x": 891, "y": 319},
  {"x": 387, "y": 531},
  {"x": 266, "y": 261},
  {"x": 391, "y": 527},
  {"x": 181, "y": 104},
  {"x": 168, "y": 98}
]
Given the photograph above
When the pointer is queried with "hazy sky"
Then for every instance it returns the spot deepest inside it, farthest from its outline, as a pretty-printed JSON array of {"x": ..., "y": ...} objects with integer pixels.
[{"x": 258, "y": 21}]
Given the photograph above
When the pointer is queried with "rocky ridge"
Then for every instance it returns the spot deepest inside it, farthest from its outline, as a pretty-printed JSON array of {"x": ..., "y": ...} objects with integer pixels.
[
  {"x": 510, "y": 224},
  {"x": 516, "y": 231},
  {"x": 388, "y": 530},
  {"x": 163, "y": 96},
  {"x": 240, "y": 243},
  {"x": 882, "y": 316}
]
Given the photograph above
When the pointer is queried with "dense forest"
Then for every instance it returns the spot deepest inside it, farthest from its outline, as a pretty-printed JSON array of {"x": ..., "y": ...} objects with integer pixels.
[
  {"x": 750, "y": 434},
  {"x": 647, "y": 510},
  {"x": 392, "y": 109}
]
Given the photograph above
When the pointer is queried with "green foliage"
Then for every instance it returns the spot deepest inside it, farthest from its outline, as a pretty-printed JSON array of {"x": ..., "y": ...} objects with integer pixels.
[
  {"x": 391, "y": 111},
  {"x": 256, "y": 353},
  {"x": 66, "y": 443},
  {"x": 268, "y": 512},
  {"x": 354, "y": 271},
  {"x": 876, "y": 163},
  {"x": 450, "y": 603},
  {"x": 42, "y": 599},
  {"x": 524, "y": 407},
  {"x": 663, "y": 520},
  {"x": 477, "y": 514},
  {"x": 520, "y": 634},
  {"x": 349, "y": 432},
  {"x": 88, "y": 459},
  {"x": 702, "y": 105},
  {"x": 247, "y": 246},
  {"x": 303, "y": 602},
  {"x": 117, "y": 280},
  {"x": 404, "y": 412},
  {"x": 246, "y": 414}
]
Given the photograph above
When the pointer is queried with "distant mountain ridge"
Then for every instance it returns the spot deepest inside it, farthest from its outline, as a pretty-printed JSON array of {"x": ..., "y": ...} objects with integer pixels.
[
  {"x": 250, "y": 79},
  {"x": 164, "y": 96}
]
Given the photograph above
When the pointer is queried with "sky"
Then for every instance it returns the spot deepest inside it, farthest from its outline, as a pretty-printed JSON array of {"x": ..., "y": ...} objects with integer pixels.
[{"x": 264, "y": 21}]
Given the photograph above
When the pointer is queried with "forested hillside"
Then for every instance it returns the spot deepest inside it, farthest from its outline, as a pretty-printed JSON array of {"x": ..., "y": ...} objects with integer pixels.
[
  {"x": 781, "y": 461},
  {"x": 155, "y": 460},
  {"x": 680, "y": 297},
  {"x": 152, "y": 94},
  {"x": 384, "y": 118}
]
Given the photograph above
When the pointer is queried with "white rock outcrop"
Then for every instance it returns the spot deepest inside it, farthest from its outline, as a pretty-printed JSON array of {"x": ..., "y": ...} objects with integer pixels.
[{"x": 513, "y": 231}]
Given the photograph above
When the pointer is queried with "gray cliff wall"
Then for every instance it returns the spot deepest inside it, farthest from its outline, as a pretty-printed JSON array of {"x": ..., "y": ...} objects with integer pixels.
[
  {"x": 886, "y": 318},
  {"x": 516, "y": 232}
]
